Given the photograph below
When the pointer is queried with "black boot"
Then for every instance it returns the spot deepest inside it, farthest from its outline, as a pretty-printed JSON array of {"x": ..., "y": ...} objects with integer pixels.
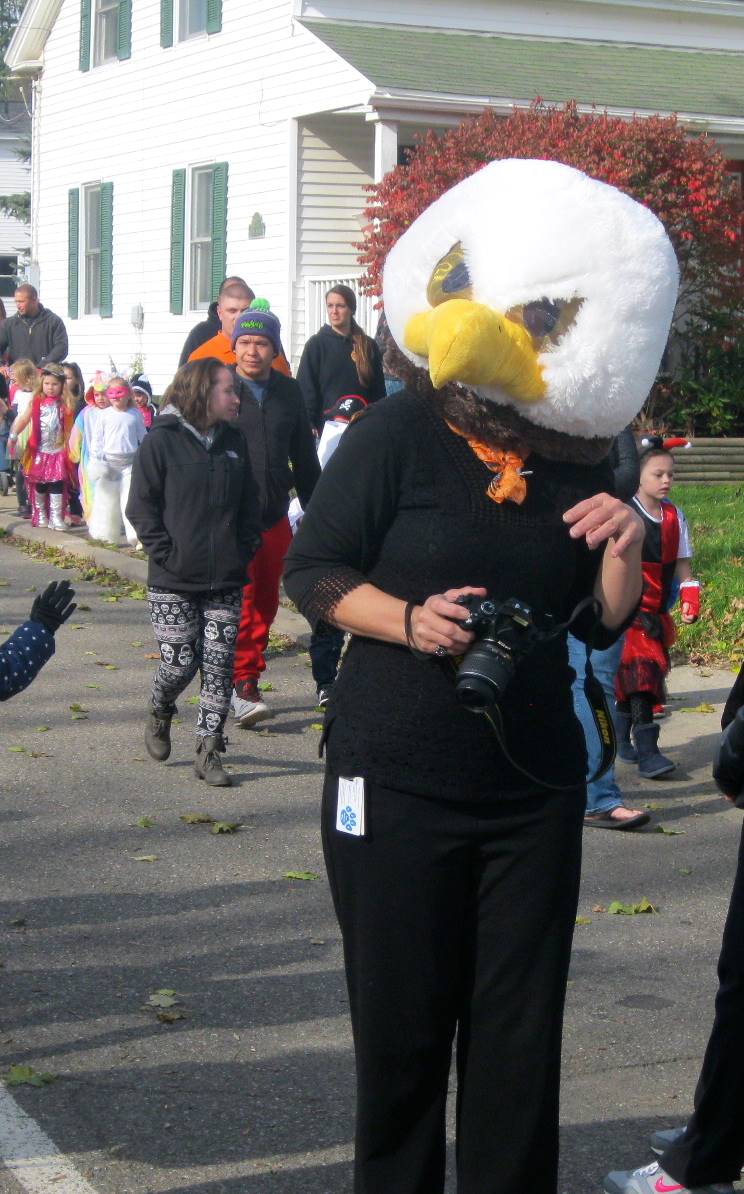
[
  {"x": 651, "y": 763},
  {"x": 625, "y": 748},
  {"x": 157, "y": 733},
  {"x": 208, "y": 764}
]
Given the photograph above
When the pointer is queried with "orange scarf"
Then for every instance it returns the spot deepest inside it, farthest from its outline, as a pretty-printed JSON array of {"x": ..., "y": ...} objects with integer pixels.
[{"x": 508, "y": 484}]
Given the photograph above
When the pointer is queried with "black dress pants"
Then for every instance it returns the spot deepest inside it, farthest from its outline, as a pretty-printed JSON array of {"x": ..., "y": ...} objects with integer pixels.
[
  {"x": 712, "y": 1149},
  {"x": 456, "y": 917}
]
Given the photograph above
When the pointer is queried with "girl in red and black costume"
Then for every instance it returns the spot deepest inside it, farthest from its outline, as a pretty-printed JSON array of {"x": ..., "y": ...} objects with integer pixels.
[{"x": 639, "y": 684}]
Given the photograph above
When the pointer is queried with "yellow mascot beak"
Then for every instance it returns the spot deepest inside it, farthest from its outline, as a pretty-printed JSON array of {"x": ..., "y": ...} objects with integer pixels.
[{"x": 473, "y": 344}]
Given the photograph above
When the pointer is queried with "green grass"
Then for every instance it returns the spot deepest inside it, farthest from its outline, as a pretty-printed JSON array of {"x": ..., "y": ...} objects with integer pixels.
[{"x": 716, "y": 517}]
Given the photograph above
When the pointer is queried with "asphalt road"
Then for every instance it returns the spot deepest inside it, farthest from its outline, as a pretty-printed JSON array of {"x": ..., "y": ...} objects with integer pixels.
[{"x": 252, "y": 1090}]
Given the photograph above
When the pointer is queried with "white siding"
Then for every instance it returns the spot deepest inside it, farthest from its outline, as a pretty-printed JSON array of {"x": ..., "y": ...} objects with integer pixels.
[
  {"x": 15, "y": 177},
  {"x": 230, "y": 97},
  {"x": 15, "y": 174},
  {"x": 335, "y": 164}
]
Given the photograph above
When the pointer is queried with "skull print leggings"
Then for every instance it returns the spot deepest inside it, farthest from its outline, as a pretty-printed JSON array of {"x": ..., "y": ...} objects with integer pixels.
[{"x": 195, "y": 631}]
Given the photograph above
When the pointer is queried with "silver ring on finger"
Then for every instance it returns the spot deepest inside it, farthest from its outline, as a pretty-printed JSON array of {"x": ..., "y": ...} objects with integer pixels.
[{"x": 440, "y": 652}]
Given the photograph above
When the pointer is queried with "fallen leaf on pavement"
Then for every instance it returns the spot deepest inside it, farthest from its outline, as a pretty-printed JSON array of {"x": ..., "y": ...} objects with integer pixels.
[
  {"x": 165, "y": 997},
  {"x": 703, "y": 707},
  {"x": 225, "y": 827},
  {"x": 583, "y": 920},
  {"x": 26, "y": 1075},
  {"x": 301, "y": 875},
  {"x": 618, "y": 909},
  {"x": 145, "y": 857},
  {"x": 76, "y": 708},
  {"x": 197, "y": 819},
  {"x": 669, "y": 832},
  {"x": 144, "y": 822},
  {"x": 599, "y": 908},
  {"x": 166, "y": 1017}
]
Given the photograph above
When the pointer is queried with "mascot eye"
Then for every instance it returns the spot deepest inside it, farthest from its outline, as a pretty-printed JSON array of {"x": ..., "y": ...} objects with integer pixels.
[
  {"x": 449, "y": 278},
  {"x": 547, "y": 320}
]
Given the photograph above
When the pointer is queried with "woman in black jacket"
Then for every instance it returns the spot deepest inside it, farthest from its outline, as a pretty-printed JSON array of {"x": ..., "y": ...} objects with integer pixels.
[
  {"x": 339, "y": 360},
  {"x": 196, "y": 510}
]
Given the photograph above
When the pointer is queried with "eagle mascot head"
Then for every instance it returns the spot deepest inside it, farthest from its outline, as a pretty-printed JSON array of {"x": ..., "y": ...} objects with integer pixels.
[{"x": 534, "y": 304}]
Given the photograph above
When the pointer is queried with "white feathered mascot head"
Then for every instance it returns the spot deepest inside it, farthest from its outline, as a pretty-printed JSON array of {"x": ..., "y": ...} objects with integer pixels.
[{"x": 540, "y": 290}]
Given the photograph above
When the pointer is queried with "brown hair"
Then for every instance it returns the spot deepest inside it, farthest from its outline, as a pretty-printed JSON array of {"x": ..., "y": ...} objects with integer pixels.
[
  {"x": 190, "y": 389},
  {"x": 25, "y": 374},
  {"x": 361, "y": 353},
  {"x": 27, "y": 288}
]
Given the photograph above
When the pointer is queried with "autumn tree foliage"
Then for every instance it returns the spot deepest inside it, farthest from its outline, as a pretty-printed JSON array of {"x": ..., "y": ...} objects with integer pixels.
[{"x": 682, "y": 178}]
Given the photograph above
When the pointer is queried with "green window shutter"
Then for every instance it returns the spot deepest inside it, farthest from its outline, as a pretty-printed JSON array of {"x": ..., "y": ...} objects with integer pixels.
[
  {"x": 124, "y": 31},
  {"x": 85, "y": 34},
  {"x": 166, "y": 23},
  {"x": 178, "y": 233},
  {"x": 106, "y": 259},
  {"x": 214, "y": 16},
  {"x": 219, "y": 226},
  {"x": 73, "y": 251}
]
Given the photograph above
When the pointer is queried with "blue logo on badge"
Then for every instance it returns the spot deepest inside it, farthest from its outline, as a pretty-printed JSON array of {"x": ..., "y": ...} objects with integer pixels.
[{"x": 348, "y": 818}]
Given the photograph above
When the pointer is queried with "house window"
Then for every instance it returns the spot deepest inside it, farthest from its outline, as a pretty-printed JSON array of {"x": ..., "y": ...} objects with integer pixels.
[
  {"x": 8, "y": 276},
  {"x": 200, "y": 255},
  {"x": 106, "y": 30},
  {"x": 192, "y": 18},
  {"x": 92, "y": 249}
]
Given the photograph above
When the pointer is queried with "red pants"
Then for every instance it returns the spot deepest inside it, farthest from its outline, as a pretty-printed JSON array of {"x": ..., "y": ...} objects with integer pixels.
[{"x": 260, "y": 601}]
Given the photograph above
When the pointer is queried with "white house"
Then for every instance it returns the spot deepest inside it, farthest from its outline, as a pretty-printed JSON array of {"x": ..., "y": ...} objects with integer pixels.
[
  {"x": 177, "y": 140},
  {"x": 15, "y": 178}
]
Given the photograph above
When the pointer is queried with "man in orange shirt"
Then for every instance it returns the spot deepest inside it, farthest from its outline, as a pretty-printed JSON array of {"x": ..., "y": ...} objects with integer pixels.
[{"x": 234, "y": 298}]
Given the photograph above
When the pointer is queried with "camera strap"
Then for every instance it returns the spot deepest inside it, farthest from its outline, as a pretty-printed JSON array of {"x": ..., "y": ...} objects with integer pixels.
[{"x": 595, "y": 696}]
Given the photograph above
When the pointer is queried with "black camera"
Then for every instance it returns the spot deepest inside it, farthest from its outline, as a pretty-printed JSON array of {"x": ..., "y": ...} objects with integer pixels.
[{"x": 504, "y": 634}]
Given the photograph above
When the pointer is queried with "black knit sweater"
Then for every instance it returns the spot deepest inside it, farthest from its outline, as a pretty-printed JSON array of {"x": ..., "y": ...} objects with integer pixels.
[{"x": 402, "y": 504}]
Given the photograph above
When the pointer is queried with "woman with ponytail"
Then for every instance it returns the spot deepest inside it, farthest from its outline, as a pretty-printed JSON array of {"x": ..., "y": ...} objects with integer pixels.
[{"x": 338, "y": 360}]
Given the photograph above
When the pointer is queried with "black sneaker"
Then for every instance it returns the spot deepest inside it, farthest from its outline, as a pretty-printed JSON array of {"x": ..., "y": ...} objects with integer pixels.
[
  {"x": 157, "y": 734},
  {"x": 324, "y": 695}
]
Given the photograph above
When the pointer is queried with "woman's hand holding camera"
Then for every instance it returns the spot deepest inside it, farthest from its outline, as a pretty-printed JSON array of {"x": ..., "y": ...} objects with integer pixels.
[
  {"x": 603, "y": 517},
  {"x": 436, "y": 625}
]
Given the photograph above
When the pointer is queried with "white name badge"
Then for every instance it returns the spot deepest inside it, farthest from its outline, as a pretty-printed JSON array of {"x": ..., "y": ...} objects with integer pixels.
[{"x": 350, "y": 808}]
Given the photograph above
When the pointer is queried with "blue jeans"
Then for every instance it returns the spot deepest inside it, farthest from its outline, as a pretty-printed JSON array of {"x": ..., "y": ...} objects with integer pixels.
[{"x": 602, "y": 794}]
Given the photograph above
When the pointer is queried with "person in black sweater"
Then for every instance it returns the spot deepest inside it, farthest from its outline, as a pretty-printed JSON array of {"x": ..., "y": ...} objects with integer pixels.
[
  {"x": 196, "y": 510},
  {"x": 709, "y": 1151},
  {"x": 340, "y": 359},
  {"x": 454, "y": 866}
]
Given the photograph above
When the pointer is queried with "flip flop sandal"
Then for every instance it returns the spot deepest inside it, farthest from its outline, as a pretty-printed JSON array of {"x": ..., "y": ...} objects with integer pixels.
[{"x": 607, "y": 821}]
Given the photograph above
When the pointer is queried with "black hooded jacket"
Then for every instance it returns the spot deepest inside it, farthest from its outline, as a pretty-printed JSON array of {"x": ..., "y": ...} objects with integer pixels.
[
  {"x": 280, "y": 442},
  {"x": 728, "y": 764},
  {"x": 327, "y": 373},
  {"x": 195, "y": 509},
  {"x": 199, "y": 334}
]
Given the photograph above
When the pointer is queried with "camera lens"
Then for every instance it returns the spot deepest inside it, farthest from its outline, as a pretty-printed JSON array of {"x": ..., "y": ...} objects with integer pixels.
[{"x": 483, "y": 676}]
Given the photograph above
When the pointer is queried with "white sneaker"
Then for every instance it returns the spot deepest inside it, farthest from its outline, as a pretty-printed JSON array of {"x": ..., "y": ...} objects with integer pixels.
[{"x": 248, "y": 707}]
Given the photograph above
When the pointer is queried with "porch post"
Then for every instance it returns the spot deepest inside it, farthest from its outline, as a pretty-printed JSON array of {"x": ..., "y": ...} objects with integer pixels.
[{"x": 386, "y": 147}]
